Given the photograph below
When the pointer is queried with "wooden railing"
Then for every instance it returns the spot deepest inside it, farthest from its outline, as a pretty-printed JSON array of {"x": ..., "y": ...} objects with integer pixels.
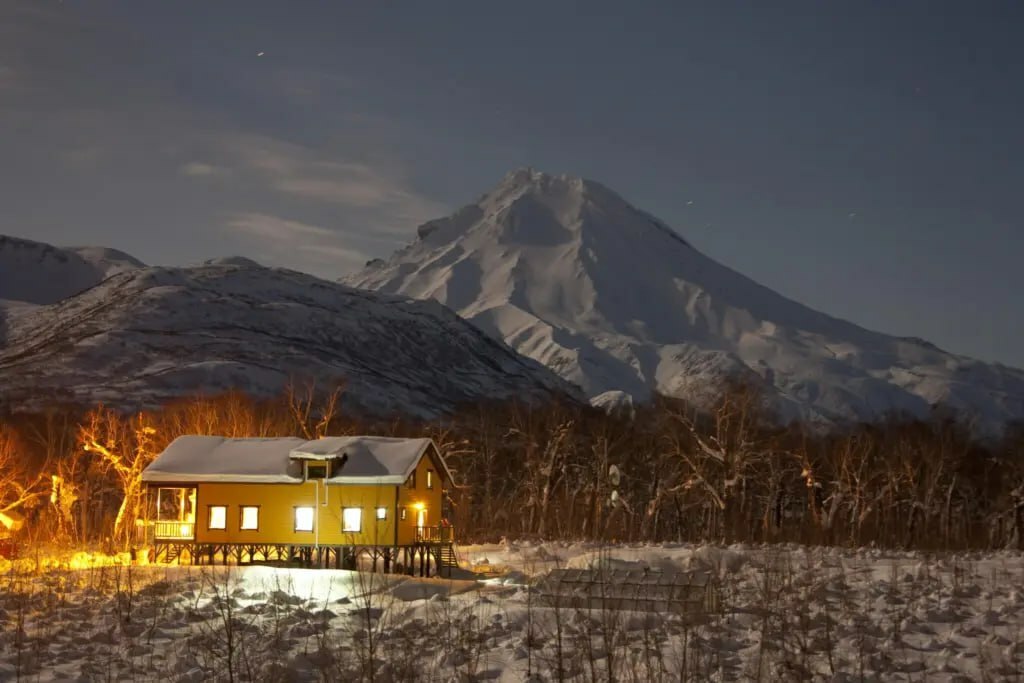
[
  {"x": 147, "y": 532},
  {"x": 442, "y": 533},
  {"x": 174, "y": 530}
]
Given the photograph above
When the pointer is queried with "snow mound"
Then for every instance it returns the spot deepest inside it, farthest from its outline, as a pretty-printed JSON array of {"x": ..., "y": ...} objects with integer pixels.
[{"x": 570, "y": 274}]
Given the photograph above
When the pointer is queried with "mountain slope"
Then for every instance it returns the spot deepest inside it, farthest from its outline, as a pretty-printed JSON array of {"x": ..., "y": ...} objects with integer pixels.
[
  {"x": 148, "y": 335},
  {"x": 37, "y": 273},
  {"x": 570, "y": 274}
]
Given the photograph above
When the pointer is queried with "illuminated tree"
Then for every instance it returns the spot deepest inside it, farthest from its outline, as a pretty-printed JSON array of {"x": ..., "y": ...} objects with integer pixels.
[
  {"x": 123, "y": 447},
  {"x": 18, "y": 486},
  {"x": 312, "y": 421}
]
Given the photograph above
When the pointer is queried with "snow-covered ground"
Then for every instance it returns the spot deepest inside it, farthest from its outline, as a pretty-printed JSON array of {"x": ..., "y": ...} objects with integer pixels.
[{"x": 775, "y": 613}]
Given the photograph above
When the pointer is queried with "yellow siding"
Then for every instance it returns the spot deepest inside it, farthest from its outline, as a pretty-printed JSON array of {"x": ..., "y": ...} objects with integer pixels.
[
  {"x": 277, "y": 516},
  {"x": 430, "y": 498}
]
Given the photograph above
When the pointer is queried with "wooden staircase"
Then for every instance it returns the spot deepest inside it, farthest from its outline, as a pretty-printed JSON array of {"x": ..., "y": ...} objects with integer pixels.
[
  {"x": 172, "y": 553},
  {"x": 447, "y": 559},
  {"x": 167, "y": 553}
]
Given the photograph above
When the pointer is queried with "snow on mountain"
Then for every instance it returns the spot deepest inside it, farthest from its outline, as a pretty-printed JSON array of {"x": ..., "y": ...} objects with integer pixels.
[
  {"x": 108, "y": 261},
  {"x": 570, "y": 274},
  {"x": 37, "y": 273},
  {"x": 148, "y": 335},
  {"x": 237, "y": 261}
]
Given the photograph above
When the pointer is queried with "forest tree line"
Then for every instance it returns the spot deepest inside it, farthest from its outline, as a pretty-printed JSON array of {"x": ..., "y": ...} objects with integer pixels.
[{"x": 662, "y": 472}]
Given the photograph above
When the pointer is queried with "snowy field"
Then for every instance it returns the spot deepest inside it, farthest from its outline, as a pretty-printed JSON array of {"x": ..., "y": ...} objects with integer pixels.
[{"x": 773, "y": 613}]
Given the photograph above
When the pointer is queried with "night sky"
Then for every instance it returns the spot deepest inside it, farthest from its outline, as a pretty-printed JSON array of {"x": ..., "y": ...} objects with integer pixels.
[{"x": 864, "y": 158}]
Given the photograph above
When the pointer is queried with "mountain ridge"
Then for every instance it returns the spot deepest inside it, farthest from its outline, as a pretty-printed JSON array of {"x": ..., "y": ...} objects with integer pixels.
[
  {"x": 571, "y": 274},
  {"x": 37, "y": 273},
  {"x": 149, "y": 335}
]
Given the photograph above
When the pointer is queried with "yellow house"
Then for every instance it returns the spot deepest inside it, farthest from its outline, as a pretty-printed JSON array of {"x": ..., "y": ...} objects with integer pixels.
[{"x": 323, "y": 502}]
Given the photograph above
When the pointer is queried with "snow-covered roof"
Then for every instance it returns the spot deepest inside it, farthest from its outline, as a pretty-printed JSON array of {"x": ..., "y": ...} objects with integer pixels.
[
  {"x": 216, "y": 458},
  {"x": 384, "y": 460},
  {"x": 359, "y": 459}
]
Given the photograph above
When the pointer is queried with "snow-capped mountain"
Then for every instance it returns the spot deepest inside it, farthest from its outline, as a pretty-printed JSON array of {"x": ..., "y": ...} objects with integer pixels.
[
  {"x": 570, "y": 274},
  {"x": 148, "y": 335},
  {"x": 241, "y": 261},
  {"x": 37, "y": 273}
]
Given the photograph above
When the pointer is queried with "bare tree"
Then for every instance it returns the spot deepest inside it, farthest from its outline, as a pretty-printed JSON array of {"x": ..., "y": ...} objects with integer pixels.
[
  {"x": 312, "y": 416},
  {"x": 19, "y": 486},
  {"x": 123, "y": 447}
]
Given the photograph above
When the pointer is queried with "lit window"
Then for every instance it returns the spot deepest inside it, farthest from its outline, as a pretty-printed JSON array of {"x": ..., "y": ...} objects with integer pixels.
[
  {"x": 250, "y": 518},
  {"x": 401, "y": 514},
  {"x": 218, "y": 517},
  {"x": 382, "y": 513},
  {"x": 304, "y": 519},
  {"x": 430, "y": 479},
  {"x": 411, "y": 481},
  {"x": 351, "y": 519}
]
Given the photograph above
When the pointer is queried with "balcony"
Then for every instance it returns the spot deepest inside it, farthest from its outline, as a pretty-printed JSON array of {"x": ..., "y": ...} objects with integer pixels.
[
  {"x": 441, "y": 534},
  {"x": 179, "y": 531},
  {"x": 160, "y": 530}
]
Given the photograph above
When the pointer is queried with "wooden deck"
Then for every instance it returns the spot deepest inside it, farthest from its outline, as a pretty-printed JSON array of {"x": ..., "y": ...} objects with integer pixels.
[{"x": 432, "y": 552}]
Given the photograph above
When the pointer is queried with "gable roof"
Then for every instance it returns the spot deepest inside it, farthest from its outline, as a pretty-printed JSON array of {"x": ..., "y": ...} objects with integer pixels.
[
  {"x": 382, "y": 459},
  {"x": 216, "y": 458},
  {"x": 361, "y": 459}
]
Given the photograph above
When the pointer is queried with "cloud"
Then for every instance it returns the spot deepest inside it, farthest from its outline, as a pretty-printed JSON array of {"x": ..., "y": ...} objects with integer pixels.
[
  {"x": 295, "y": 243},
  {"x": 319, "y": 210},
  {"x": 382, "y": 193},
  {"x": 199, "y": 169},
  {"x": 275, "y": 229},
  {"x": 351, "y": 190}
]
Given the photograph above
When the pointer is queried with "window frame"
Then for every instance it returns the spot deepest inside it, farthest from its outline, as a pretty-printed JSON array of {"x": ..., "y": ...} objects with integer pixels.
[
  {"x": 430, "y": 480},
  {"x": 209, "y": 518},
  {"x": 344, "y": 521},
  {"x": 402, "y": 513},
  {"x": 295, "y": 519},
  {"x": 241, "y": 517},
  {"x": 381, "y": 513}
]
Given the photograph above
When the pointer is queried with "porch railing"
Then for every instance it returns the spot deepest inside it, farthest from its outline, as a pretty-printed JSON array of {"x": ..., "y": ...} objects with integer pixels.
[
  {"x": 174, "y": 530},
  {"x": 441, "y": 533},
  {"x": 147, "y": 532}
]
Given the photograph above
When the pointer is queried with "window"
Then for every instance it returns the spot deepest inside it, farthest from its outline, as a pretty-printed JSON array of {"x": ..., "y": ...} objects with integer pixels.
[
  {"x": 250, "y": 518},
  {"x": 430, "y": 479},
  {"x": 175, "y": 504},
  {"x": 218, "y": 517},
  {"x": 316, "y": 470},
  {"x": 401, "y": 514},
  {"x": 351, "y": 519},
  {"x": 411, "y": 481},
  {"x": 382, "y": 513},
  {"x": 304, "y": 519}
]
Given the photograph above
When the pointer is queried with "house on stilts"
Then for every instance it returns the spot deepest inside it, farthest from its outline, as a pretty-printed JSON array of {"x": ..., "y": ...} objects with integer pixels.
[{"x": 321, "y": 503}]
